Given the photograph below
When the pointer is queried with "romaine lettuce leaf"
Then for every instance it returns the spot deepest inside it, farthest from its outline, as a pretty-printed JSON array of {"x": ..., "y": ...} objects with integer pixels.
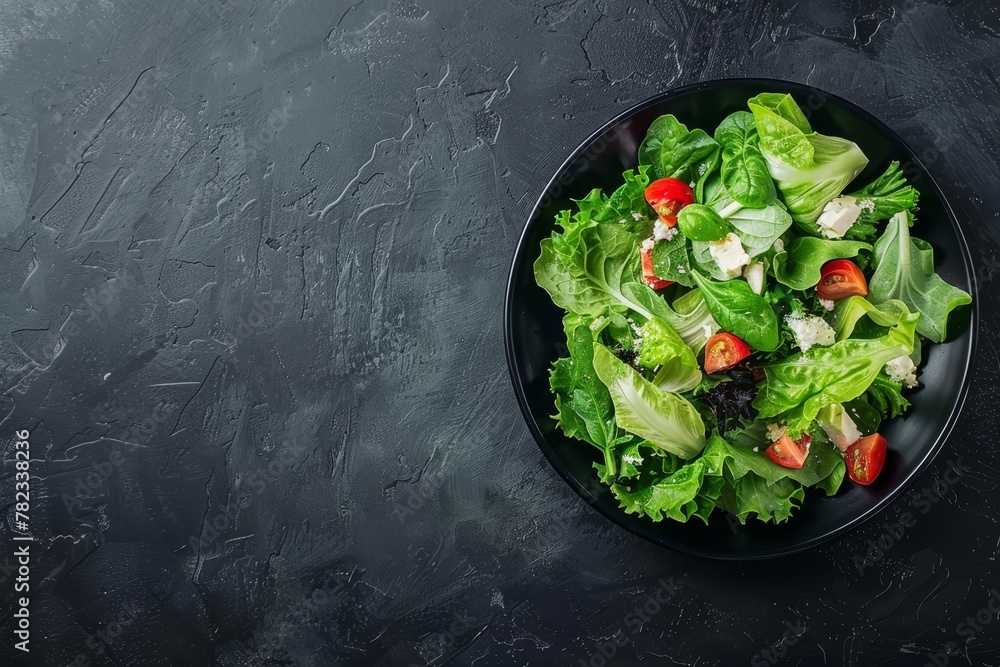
[
  {"x": 663, "y": 418},
  {"x": 809, "y": 168}
]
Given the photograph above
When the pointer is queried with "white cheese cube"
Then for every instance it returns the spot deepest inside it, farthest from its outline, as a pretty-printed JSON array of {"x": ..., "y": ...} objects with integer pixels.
[
  {"x": 729, "y": 255},
  {"x": 838, "y": 216},
  {"x": 901, "y": 369},
  {"x": 754, "y": 273},
  {"x": 842, "y": 430}
]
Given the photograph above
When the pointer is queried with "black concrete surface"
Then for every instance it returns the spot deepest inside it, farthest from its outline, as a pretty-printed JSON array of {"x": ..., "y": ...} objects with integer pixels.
[{"x": 253, "y": 258}]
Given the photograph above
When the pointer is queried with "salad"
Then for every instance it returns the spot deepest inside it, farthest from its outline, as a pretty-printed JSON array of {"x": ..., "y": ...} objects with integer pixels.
[{"x": 737, "y": 325}]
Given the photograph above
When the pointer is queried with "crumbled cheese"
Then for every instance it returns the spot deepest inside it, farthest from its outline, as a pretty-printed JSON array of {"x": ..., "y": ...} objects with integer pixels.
[
  {"x": 838, "y": 216},
  {"x": 810, "y": 330},
  {"x": 729, "y": 255},
  {"x": 622, "y": 221},
  {"x": 754, "y": 273},
  {"x": 634, "y": 459},
  {"x": 647, "y": 245},
  {"x": 827, "y": 303},
  {"x": 867, "y": 205},
  {"x": 775, "y": 431},
  {"x": 756, "y": 449},
  {"x": 662, "y": 232},
  {"x": 901, "y": 369},
  {"x": 636, "y": 216},
  {"x": 779, "y": 246}
]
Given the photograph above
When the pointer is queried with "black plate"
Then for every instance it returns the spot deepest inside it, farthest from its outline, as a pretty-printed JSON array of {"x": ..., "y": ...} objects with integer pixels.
[{"x": 534, "y": 337}]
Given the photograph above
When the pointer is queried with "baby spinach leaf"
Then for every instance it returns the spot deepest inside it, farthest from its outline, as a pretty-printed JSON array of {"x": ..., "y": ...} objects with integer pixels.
[
  {"x": 799, "y": 265},
  {"x": 672, "y": 260},
  {"x": 702, "y": 223},
  {"x": 744, "y": 170},
  {"x": 741, "y": 312},
  {"x": 675, "y": 152},
  {"x": 759, "y": 228}
]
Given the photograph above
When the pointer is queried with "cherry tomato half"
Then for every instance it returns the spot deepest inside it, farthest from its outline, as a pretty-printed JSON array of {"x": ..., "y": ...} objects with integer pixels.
[
  {"x": 723, "y": 351},
  {"x": 865, "y": 459},
  {"x": 667, "y": 196},
  {"x": 647, "y": 268},
  {"x": 790, "y": 453},
  {"x": 839, "y": 279}
]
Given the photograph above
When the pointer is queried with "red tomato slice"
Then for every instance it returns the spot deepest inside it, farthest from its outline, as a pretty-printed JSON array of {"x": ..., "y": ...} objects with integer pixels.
[
  {"x": 841, "y": 278},
  {"x": 723, "y": 351},
  {"x": 790, "y": 453},
  {"x": 667, "y": 196},
  {"x": 865, "y": 459},
  {"x": 647, "y": 268}
]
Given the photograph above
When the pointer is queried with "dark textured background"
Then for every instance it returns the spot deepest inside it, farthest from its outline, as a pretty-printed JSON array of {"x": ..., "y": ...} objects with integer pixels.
[{"x": 253, "y": 262}]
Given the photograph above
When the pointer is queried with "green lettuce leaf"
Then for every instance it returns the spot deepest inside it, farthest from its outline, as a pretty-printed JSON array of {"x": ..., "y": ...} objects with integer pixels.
[
  {"x": 589, "y": 280},
  {"x": 689, "y": 315},
  {"x": 887, "y": 397},
  {"x": 809, "y": 168},
  {"x": 663, "y": 418},
  {"x": 662, "y": 346},
  {"x": 583, "y": 405},
  {"x": 690, "y": 491},
  {"x": 904, "y": 270},
  {"x": 751, "y": 495},
  {"x": 798, "y": 388},
  {"x": 735, "y": 478},
  {"x": 880, "y": 200},
  {"x": 847, "y": 312}
]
